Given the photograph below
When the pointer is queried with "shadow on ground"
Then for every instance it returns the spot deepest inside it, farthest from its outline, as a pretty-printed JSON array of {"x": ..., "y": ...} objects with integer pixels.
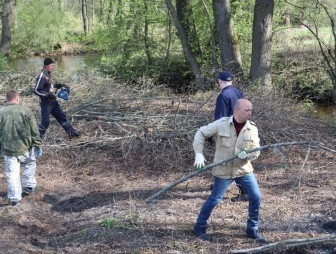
[{"x": 98, "y": 199}]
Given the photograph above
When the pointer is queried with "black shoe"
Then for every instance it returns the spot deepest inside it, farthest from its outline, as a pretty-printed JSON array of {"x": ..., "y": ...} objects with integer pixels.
[
  {"x": 13, "y": 203},
  {"x": 28, "y": 190},
  {"x": 240, "y": 197},
  {"x": 254, "y": 234},
  {"x": 200, "y": 232},
  {"x": 74, "y": 133}
]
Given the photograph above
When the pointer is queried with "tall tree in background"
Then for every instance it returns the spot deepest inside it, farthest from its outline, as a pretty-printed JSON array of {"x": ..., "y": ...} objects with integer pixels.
[
  {"x": 228, "y": 44},
  {"x": 101, "y": 11},
  {"x": 185, "y": 15},
  {"x": 261, "y": 62},
  {"x": 146, "y": 37},
  {"x": 184, "y": 41},
  {"x": 61, "y": 5},
  {"x": 215, "y": 65},
  {"x": 109, "y": 14},
  {"x": 85, "y": 17},
  {"x": 92, "y": 15},
  {"x": 6, "y": 27}
]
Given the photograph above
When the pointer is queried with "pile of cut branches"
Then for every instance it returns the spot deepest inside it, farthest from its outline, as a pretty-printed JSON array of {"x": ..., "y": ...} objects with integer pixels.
[{"x": 152, "y": 123}]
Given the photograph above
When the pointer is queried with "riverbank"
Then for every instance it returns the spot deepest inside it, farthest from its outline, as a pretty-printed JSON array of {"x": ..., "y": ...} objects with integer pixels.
[
  {"x": 91, "y": 191},
  {"x": 66, "y": 49}
]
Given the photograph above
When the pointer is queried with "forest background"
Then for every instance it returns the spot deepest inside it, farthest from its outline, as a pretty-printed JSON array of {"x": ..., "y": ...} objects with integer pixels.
[{"x": 275, "y": 44}]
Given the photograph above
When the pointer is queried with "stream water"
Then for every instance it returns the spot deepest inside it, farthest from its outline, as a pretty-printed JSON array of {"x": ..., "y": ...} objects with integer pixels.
[
  {"x": 67, "y": 64},
  {"x": 71, "y": 64}
]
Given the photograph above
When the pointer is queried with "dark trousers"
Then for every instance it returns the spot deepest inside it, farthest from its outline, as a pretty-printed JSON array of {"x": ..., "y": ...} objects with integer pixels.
[{"x": 52, "y": 107}]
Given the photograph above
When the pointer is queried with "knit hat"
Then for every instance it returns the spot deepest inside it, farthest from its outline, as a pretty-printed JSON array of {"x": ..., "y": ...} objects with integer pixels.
[
  {"x": 225, "y": 76},
  {"x": 48, "y": 61}
]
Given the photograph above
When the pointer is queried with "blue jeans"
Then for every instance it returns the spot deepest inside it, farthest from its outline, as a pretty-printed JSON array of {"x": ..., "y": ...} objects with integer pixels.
[{"x": 249, "y": 183}]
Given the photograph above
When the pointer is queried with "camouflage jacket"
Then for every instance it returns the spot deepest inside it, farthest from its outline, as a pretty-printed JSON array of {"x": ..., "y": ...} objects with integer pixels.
[{"x": 18, "y": 130}]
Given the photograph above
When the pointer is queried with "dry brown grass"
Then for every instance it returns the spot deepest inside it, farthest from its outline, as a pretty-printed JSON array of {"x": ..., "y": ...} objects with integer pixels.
[{"x": 91, "y": 191}]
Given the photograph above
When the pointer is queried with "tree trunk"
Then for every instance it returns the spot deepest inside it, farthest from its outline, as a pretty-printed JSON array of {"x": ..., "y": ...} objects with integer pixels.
[
  {"x": 92, "y": 15},
  {"x": 101, "y": 11},
  {"x": 215, "y": 65},
  {"x": 185, "y": 15},
  {"x": 184, "y": 41},
  {"x": 109, "y": 14},
  {"x": 261, "y": 62},
  {"x": 61, "y": 5},
  {"x": 6, "y": 27},
  {"x": 119, "y": 12},
  {"x": 85, "y": 18},
  {"x": 169, "y": 39},
  {"x": 228, "y": 43},
  {"x": 146, "y": 40}
]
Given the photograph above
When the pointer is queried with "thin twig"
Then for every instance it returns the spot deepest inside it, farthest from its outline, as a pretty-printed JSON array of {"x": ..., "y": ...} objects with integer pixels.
[
  {"x": 90, "y": 142},
  {"x": 302, "y": 167}
]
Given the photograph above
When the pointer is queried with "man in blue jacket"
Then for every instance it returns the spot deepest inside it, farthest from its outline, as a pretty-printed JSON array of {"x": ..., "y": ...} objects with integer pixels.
[
  {"x": 228, "y": 96},
  {"x": 225, "y": 103}
]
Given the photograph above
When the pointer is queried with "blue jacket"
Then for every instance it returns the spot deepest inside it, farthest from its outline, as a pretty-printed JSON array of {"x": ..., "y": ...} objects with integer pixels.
[{"x": 226, "y": 101}]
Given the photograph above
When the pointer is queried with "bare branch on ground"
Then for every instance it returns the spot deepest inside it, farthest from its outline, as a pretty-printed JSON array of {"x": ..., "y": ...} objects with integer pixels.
[{"x": 284, "y": 244}]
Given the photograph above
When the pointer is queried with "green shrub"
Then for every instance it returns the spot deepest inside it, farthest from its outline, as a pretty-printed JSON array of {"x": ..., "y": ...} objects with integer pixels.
[
  {"x": 174, "y": 73},
  {"x": 3, "y": 62}
]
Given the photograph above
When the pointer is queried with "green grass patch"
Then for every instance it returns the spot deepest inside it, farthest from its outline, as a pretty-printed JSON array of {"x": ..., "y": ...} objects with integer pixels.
[{"x": 120, "y": 223}]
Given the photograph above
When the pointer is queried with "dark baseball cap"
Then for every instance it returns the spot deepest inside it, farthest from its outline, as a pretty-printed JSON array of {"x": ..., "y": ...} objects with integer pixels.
[{"x": 225, "y": 76}]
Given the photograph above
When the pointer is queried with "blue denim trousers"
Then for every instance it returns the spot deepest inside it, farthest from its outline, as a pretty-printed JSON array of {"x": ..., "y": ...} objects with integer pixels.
[{"x": 249, "y": 183}]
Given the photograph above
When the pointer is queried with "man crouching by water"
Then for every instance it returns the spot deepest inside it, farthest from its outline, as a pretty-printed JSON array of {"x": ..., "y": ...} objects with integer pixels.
[{"x": 233, "y": 136}]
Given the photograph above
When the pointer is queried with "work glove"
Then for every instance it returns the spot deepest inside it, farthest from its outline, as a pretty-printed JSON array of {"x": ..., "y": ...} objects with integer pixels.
[
  {"x": 67, "y": 87},
  {"x": 51, "y": 96},
  {"x": 37, "y": 151},
  {"x": 199, "y": 161},
  {"x": 58, "y": 85},
  {"x": 242, "y": 154}
]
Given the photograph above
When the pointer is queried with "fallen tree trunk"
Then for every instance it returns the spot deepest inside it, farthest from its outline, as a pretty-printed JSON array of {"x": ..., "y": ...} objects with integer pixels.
[
  {"x": 288, "y": 244},
  {"x": 197, "y": 172}
]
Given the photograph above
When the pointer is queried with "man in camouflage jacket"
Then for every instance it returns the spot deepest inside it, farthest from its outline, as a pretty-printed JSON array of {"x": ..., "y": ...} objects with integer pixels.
[{"x": 20, "y": 143}]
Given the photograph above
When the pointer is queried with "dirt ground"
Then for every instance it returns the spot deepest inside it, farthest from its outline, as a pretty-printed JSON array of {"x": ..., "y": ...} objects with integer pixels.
[{"x": 91, "y": 191}]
